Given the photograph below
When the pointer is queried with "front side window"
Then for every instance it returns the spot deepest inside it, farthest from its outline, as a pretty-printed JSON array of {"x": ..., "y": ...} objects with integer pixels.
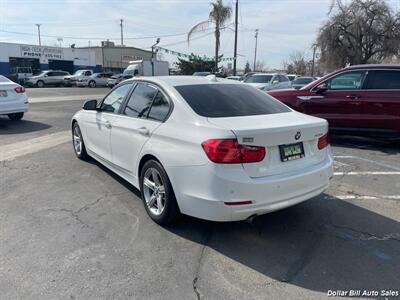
[
  {"x": 283, "y": 78},
  {"x": 113, "y": 101},
  {"x": 140, "y": 101},
  {"x": 383, "y": 80},
  {"x": 346, "y": 81},
  {"x": 229, "y": 100}
]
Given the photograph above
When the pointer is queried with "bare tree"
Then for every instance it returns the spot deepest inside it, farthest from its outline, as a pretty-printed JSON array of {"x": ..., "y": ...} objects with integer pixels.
[
  {"x": 260, "y": 66},
  {"x": 296, "y": 63},
  {"x": 359, "y": 32}
]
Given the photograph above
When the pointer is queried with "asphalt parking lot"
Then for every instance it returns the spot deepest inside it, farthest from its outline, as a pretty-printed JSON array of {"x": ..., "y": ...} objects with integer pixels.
[{"x": 74, "y": 230}]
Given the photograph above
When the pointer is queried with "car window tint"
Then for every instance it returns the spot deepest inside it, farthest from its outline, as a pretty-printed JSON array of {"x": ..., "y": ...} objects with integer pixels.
[
  {"x": 114, "y": 100},
  {"x": 159, "y": 108},
  {"x": 229, "y": 100},
  {"x": 50, "y": 73},
  {"x": 87, "y": 73},
  {"x": 384, "y": 80},
  {"x": 258, "y": 79},
  {"x": 140, "y": 101},
  {"x": 346, "y": 81}
]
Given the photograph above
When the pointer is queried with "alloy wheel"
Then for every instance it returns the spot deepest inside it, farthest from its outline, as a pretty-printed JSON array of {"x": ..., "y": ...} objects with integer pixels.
[
  {"x": 154, "y": 191},
  {"x": 77, "y": 138}
]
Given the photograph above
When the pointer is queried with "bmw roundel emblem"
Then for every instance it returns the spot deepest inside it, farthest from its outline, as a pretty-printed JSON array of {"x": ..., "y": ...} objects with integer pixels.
[{"x": 298, "y": 135}]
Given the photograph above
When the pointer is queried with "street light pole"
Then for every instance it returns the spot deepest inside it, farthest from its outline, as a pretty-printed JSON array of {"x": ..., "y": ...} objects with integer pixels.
[
  {"x": 313, "y": 61},
  {"x": 38, "y": 28},
  {"x": 236, "y": 37},
  {"x": 255, "y": 51},
  {"x": 122, "y": 31},
  {"x": 152, "y": 56}
]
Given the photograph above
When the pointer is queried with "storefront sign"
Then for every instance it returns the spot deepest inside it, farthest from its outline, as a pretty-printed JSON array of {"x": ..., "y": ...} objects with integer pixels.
[
  {"x": 43, "y": 53},
  {"x": 128, "y": 58}
]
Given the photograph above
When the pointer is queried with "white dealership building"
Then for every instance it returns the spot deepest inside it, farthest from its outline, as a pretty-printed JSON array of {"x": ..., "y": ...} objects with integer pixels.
[{"x": 44, "y": 58}]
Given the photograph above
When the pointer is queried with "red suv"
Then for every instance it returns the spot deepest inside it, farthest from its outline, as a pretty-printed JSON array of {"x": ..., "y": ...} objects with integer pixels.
[{"x": 359, "y": 99}]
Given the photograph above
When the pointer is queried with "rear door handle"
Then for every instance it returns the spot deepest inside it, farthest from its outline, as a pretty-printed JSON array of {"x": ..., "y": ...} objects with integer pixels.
[
  {"x": 107, "y": 124},
  {"x": 144, "y": 131},
  {"x": 354, "y": 97}
]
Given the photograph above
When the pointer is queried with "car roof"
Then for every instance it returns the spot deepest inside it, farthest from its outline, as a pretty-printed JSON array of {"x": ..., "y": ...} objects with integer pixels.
[
  {"x": 374, "y": 66},
  {"x": 260, "y": 74},
  {"x": 184, "y": 80}
]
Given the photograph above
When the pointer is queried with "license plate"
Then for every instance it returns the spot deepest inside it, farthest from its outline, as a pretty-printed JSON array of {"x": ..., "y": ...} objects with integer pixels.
[
  {"x": 291, "y": 151},
  {"x": 3, "y": 93}
]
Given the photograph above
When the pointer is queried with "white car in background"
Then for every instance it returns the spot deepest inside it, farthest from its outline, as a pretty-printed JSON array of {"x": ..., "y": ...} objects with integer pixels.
[
  {"x": 210, "y": 148},
  {"x": 13, "y": 99},
  {"x": 268, "y": 82}
]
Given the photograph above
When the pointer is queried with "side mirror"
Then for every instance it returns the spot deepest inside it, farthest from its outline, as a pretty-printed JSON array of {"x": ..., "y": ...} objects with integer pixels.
[
  {"x": 321, "y": 89},
  {"x": 275, "y": 82},
  {"x": 90, "y": 105}
]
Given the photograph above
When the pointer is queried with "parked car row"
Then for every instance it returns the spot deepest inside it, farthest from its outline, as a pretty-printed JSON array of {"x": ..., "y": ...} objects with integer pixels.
[{"x": 81, "y": 78}]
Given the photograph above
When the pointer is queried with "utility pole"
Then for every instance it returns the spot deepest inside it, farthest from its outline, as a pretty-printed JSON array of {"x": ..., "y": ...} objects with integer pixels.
[
  {"x": 255, "y": 50},
  {"x": 152, "y": 56},
  {"x": 122, "y": 31},
  {"x": 38, "y": 28},
  {"x": 236, "y": 37},
  {"x": 313, "y": 61}
]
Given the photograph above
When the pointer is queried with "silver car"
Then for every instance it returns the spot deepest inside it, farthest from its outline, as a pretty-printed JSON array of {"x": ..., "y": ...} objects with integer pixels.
[
  {"x": 48, "y": 77},
  {"x": 97, "y": 79},
  {"x": 268, "y": 82}
]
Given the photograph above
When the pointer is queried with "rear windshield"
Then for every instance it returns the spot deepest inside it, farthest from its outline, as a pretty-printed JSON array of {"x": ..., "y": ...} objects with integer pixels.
[
  {"x": 229, "y": 100},
  {"x": 258, "y": 78}
]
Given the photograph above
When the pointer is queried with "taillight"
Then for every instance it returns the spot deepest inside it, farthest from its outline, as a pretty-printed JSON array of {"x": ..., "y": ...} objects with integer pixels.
[
  {"x": 324, "y": 141},
  {"x": 20, "y": 89},
  {"x": 229, "y": 151}
]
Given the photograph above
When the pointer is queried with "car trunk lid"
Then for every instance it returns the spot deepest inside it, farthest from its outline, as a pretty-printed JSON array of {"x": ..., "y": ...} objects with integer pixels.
[
  {"x": 7, "y": 91},
  {"x": 275, "y": 130}
]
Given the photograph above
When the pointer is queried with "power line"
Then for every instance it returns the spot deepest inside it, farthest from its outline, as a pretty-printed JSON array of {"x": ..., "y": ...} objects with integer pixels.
[{"x": 97, "y": 38}]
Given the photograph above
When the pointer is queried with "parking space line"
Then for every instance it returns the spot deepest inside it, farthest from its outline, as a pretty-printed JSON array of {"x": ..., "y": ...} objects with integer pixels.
[
  {"x": 366, "y": 173},
  {"x": 358, "y": 197},
  {"x": 12, "y": 151},
  {"x": 378, "y": 163}
]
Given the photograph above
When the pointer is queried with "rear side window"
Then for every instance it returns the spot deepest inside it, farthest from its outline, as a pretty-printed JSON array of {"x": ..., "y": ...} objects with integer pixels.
[
  {"x": 229, "y": 100},
  {"x": 383, "y": 80},
  {"x": 159, "y": 108},
  {"x": 140, "y": 101}
]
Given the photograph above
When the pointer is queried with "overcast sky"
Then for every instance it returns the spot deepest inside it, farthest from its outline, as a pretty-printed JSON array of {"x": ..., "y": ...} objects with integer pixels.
[{"x": 284, "y": 25}]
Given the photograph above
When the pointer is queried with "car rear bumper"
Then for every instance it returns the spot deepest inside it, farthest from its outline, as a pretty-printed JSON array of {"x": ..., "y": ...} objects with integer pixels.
[
  {"x": 10, "y": 107},
  {"x": 203, "y": 191}
]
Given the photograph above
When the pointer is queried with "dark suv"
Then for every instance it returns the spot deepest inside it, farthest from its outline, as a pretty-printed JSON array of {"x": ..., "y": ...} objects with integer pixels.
[{"x": 360, "y": 99}]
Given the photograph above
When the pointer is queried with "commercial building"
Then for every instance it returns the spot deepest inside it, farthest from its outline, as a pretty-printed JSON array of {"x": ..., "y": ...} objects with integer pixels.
[
  {"x": 13, "y": 56},
  {"x": 116, "y": 58},
  {"x": 108, "y": 57}
]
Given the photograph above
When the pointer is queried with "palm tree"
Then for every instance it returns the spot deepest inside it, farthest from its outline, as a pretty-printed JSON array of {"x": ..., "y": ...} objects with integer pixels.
[{"x": 218, "y": 16}]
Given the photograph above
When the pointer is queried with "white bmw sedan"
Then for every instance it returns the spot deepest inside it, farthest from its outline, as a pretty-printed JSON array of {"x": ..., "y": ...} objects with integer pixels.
[
  {"x": 212, "y": 149},
  {"x": 13, "y": 99}
]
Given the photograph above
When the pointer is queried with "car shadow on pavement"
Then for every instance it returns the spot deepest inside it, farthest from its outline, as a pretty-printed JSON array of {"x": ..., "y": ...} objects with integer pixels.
[
  {"x": 323, "y": 244},
  {"x": 385, "y": 145},
  {"x": 23, "y": 126}
]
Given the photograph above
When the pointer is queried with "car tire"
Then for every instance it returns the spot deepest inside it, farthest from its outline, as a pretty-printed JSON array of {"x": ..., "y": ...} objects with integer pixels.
[
  {"x": 92, "y": 84},
  {"x": 40, "y": 83},
  {"x": 156, "y": 190},
  {"x": 78, "y": 143},
  {"x": 16, "y": 116}
]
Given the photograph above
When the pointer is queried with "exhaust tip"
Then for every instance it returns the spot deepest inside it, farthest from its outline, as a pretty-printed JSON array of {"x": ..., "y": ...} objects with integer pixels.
[{"x": 251, "y": 219}]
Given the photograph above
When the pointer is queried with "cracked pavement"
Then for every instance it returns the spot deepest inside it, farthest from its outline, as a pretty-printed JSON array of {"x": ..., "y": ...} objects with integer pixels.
[{"x": 74, "y": 230}]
